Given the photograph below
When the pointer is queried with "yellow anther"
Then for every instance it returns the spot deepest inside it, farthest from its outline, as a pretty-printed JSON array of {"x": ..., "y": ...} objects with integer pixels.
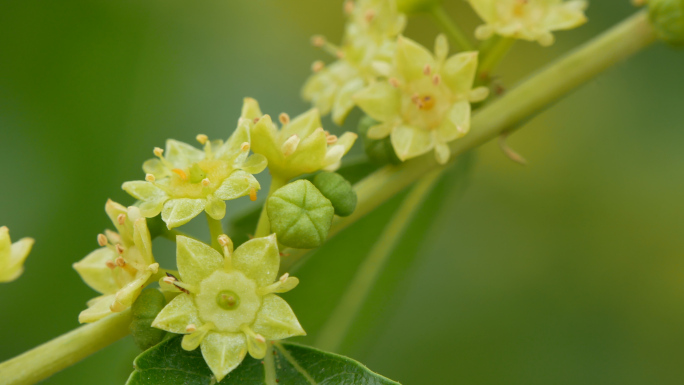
[
  {"x": 180, "y": 173},
  {"x": 121, "y": 219},
  {"x": 317, "y": 66},
  {"x": 369, "y": 15},
  {"x": 101, "y": 240},
  {"x": 110, "y": 265},
  {"x": 245, "y": 145},
  {"x": 318, "y": 41},
  {"x": 150, "y": 178},
  {"x": 120, "y": 261},
  {"x": 427, "y": 69},
  {"x": 284, "y": 118},
  {"x": 348, "y": 7},
  {"x": 284, "y": 277},
  {"x": 252, "y": 194},
  {"x": 206, "y": 182},
  {"x": 191, "y": 328},
  {"x": 436, "y": 80},
  {"x": 158, "y": 151},
  {"x": 394, "y": 82},
  {"x": 202, "y": 139},
  {"x": 169, "y": 280},
  {"x": 331, "y": 139}
]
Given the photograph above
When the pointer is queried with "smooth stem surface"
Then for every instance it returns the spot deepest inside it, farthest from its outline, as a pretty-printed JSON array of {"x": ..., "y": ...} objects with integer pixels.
[
  {"x": 49, "y": 358},
  {"x": 514, "y": 108},
  {"x": 263, "y": 228},
  {"x": 451, "y": 28},
  {"x": 215, "y": 229},
  {"x": 490, "y": 58},
  {"x": 333, "y": 332}
]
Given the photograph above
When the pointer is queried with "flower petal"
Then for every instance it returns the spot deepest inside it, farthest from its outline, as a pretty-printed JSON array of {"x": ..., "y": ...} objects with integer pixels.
[
  {"x": 344, "y": 101},
  {"x": 380, "y": 101},
  {"x": 152, "y": 196},
  {"x": 223, "y": 352},
  {"x": 409, "y": 142},
  {"x": 411, "y": 59},
  {"x": 308, "y": 156},
  {"x": 254, "y": 164},
  {"x": 568, "y": 15},
  {"x": 250, "y": 109},
  {"x": 258, "y": 259},
  {"x": 177, "y": 315},
  {"x": 303, "y": 125},
  {"x": 276, "y": 320},
  {"x": 94, "y": 271},
  {"x": 216, "y": 208},
  {"x": 97, "y": 310},
  {"x": 143, "y": 240},
  {"x": 380, "y": 131},
  {"x": 196, "y": 260},
  {"x": 127, "y": 295},
  {"x": 180, "y": 211},
  {"x": 182, "y": 155},
  {"x": 264, "y": 140},
  {"x": 442, "y": 153},
  {"x": 232, "y": 148},
  {"x": 5, "y": 246},
  {"x": 20, "y": 250},
  {"x": 455, "y": 124},
  {"x": 459, "y": 71},
  {"x": 238, "y": 184}
]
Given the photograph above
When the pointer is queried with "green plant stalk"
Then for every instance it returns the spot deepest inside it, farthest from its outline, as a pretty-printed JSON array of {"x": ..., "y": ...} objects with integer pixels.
[
  {"x": 341, "y": 319},
  {"x": 491, "y": 57},
  {"x": 215, "y": 229},
  {"x": 263, "y": 228},
  {"x": 451, "y": 28},
  {"x": 172, "y": 234},
  {"x": 505, "y": 114},
  {"x": 49, "y": 358}
]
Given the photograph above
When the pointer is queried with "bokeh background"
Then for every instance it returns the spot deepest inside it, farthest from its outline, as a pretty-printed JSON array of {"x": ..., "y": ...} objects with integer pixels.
[{"x": 567, "y": 271}]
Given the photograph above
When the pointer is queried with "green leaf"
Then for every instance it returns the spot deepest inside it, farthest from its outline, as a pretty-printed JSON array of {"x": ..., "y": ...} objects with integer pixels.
[{"x": 291, "y": 364}]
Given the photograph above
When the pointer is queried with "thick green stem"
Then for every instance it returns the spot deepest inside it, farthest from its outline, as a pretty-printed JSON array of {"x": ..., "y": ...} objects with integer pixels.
[
  {"x": 49, "y": 358},
  {"x": 341, "y": 319},
  {"x": 507, "y": 113},
  {"x": 451, "y": 28},
  {"x": 263, "y": 228},
  {"x": 215, "y": 229}
]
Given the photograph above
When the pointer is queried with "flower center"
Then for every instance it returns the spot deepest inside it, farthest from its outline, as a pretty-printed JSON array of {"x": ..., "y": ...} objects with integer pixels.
[
  {"x": 425, "y": 102},
  {"x": 228, "y": 300}
]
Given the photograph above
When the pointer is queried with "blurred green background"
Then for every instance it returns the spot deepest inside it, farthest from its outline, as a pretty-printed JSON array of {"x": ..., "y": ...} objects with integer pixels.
[{"x": 568, "y": 271}]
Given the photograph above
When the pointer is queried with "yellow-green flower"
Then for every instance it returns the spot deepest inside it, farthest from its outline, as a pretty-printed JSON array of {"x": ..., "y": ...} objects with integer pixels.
[
  {"x": 122, "y": 267},
  {"x": 228, "y": 305},
  {"x": 427, "y": 104},
  {"x": 532, "y": 20},
  {"x": 365, "y": 54},
  {"x": 12, "y": 255},
  {"x": 300, "y": 146},
  {"x": 183, "y": 181}
]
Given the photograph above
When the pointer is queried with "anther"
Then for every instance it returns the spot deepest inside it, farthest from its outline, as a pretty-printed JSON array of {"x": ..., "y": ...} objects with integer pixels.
[
  {"x": 284, "y": 277},
  {"x": 427, "y": 69},
  {"x": 339, "y": 54},
  {"x": 253, "y": 194},
  {"x": 331, "y": 139},
  {"x": 120, "y": 262},
  {"x": 191, "y": 328},
  {"x": 202, "y": 139},
  {"x": 369, "y": 15},
  {"x": 394, "y": 82},
  {"x": 158, "y": 151},
  {"x": 260, "y": 338},
  {"x": 119, "y": 249},
  {"x": 348, "y": 7},
  {"x": 110, "y": 265},
  {"x": 245, "y": 145},
  {"x": 206, "y": 182},
  {"x": 284, "y": 118},
  {"x": 180, "y": 173},
  {"x": 101, "y": 240},
  {"x": 436, "y": 80},
  {"x": 290, "y": 145},
  {"x": 150, "y": 178},
  {"x": 121, "y": 219},
  {"x": 169, "y": 280},
  {"x": 223, "y": 240},
  {"x": 255, "y": 120},
  {"x": 317, "y": 40},
  {"x": 317, "y": 66}
]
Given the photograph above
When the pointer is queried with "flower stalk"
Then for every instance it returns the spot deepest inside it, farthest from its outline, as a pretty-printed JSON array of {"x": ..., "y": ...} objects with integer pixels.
[{"x": 452, "y": 29}]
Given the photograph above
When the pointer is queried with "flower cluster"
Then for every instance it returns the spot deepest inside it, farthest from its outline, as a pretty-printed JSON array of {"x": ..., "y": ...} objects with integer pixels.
[
  {"x": 229, "y": 305},
  {"x": 183, "y": 181},
  {"x": 121, "y": 267},
  {"x": 12, "y": 255},
  {"x": 364, "y": 55},
  {"x": 528, "y": 19}
]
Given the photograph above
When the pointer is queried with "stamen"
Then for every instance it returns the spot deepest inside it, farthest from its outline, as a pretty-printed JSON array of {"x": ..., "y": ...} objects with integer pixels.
[
  {"x": 180, "y": 173},
  {"x": 436, "y": 80},
  {"x": 120, "y": 262},
  {"x": 260, "y": 338},
  {"x": 245, "y": 145},
  {"x": 158, "y": 152},
  {"x": 121, "y": 219},
  {"x": 394, "y": 82},
  {"x": 369, "y": 15},
  {"x": 284, "y": 118},
  {"x": 206, "y": 182},
  {"x": 169, "y": 280},
  {"x": 253, "y": 194},
  {"x": 110, "y": 265},
  {"x": 317, "y": 66},
  {"x": 317, "y": 40},
  {"x": 202, "y": 139},
  {"x": 191, "y": 328},
  {"x": 339, "y": 54},
  {"x": 120, "y": 249},
  {"x": 348, "y": 7},
  {"x": 427, "y": 69},
  {"x": 331, "y": 139},
  {"x": 150, "y": 178},
  {"x": 193, "y": 340},
  {"x": 102, "y": 240},
  {"x": 284, "y": 277},
  {"x": 290, "y": 145}
]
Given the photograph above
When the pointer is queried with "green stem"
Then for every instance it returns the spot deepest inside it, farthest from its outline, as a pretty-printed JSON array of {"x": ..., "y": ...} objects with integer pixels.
[
  {"x": 215, "y": 229},
  {"x": 451, "y": 28},
  {"x": 491, "y": 57},
  {"x": 263, "y": 228},
  {"x": 506, "y": 113},
  {"x": 49, "y": 358},
  {"x": 333, "y": 332}
]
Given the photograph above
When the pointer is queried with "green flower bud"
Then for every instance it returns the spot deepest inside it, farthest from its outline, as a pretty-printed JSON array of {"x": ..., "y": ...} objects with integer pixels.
[
  {"x": 144, "y": 310},
  {"x": 300, "y": 215},
  {"x": 338, "y": 190},
  {"x": 416, "y": 6},
  {"x": 667, "y": 17},
  {"x": 378, "y": 150}
]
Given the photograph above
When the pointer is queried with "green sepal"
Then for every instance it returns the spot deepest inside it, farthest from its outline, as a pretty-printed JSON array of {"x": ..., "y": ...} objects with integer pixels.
[
  {"x": 338, "y": 191},
  {"x": 300, "y": 215},
  {"x": 379, "y": 151},
  {"x": 144, "y": 310}
]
